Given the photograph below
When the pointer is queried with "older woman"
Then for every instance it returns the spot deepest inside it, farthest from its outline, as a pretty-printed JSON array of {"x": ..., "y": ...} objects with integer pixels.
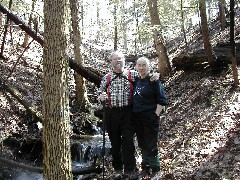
[{"x": 149, "y": 98}]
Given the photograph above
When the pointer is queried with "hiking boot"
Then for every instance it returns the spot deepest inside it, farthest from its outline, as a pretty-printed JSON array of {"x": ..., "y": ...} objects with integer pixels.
[
  {"x": 155, "y": 169},
  {"x": 149, "y": 173},
  {"x": 144, "y": 174},
  {"x": 116, "y": 175}
]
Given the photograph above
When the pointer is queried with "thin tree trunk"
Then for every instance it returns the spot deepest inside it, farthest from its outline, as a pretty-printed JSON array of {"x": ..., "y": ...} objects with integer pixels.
[
  {"x": 163, "y": 61},
  {"x": 98, "y": 23},
  {"x": 205, "y": 32},
  {"x": 115, "y": 27},
  {"x": 233, "y": 47},
  {"x": 81, "y": 90},
  {"x": 56, "y": 119},
  {"x": 222, "y": 16},
  {"x": 25, "y": 42},
  {"x": 1, "y": 19},
  {"x": 6, "y": 29},
  {"x": 183, "y": 27},
  {"x": 124, "y": 26}
]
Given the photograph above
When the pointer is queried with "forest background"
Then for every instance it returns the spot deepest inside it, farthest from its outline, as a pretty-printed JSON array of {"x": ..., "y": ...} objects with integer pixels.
[{"x": 92, "y": 29}]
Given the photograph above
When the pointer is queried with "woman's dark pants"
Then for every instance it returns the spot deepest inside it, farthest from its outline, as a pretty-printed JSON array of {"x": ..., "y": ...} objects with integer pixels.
[{"x": 147, "y": 130}]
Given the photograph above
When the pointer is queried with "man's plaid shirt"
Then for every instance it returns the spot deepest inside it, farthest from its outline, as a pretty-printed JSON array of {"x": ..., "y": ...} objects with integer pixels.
[{"x": 119, "y": 88}]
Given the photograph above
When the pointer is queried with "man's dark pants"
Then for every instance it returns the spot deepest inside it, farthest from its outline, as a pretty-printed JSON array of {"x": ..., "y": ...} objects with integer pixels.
[{"x": 118, "y": 125}]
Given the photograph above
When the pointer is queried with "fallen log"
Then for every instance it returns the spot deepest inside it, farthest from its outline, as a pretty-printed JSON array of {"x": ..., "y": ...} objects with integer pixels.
[
  {"x": 75, "y": 171},
  {"x": 199, "y": 60},
  {"x": 17, "y": 95},
  {"x": 89, "y": 74},
  {"x": 80, "y": 69}
]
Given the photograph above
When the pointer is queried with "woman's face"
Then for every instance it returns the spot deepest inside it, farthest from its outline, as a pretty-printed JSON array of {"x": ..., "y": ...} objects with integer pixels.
[{"x": 142, "y": 68}]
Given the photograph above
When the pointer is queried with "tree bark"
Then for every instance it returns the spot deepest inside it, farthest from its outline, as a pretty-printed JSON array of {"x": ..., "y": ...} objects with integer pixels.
[
  {"x": 222, "y": 16},
  {"x": 25, "y": 42},
  {"x": 5, "y": 30},
  {"x": 163, "y": 61},
  {"x": 81, "y": 90},
  {"x": 115, "y": 26},
  {"x": 56, "y": 118},
  {"x": 233, "y": 46},
  {"x": 205, "y": 32},
  {"x": 183, "y": 25}
]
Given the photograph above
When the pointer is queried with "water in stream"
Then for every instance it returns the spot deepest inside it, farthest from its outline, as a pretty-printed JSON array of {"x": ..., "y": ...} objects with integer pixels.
[{"x": 84, "y": 153}]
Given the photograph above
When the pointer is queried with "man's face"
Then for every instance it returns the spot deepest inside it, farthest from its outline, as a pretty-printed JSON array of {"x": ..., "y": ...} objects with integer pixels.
[{"x": 117, "y": 62}]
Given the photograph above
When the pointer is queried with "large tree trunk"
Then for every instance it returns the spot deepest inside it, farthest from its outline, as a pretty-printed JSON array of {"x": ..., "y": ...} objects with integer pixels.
[
  {"x": 81, "y": 90},
  {"x": 206, "y": 37},
  {"x": 163, "y": 61},
  {"x": 56, "y": 119}
]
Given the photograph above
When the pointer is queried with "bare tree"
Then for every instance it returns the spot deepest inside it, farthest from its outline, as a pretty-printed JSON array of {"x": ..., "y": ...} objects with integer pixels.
[
  {"x": 115, "y": 26},
  {"x": 183, "y": 26},
  {"x": 1, "y": 19},
  {"x": 222, "y": 15},
  {"x": 25, "y": 42},
  {"x": 163, "y": 61},
  {"x": 81, "y": 90},
  {"x": 233, "y": 47},
  {"x": 205, "y": 32},
  {"x": 5, "y": 30},
  {"x": 56, "y": 120}
]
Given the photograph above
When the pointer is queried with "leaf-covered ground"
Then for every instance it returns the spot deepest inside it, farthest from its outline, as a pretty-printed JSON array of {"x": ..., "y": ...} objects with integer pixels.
[{"x": 200, "y": 132}]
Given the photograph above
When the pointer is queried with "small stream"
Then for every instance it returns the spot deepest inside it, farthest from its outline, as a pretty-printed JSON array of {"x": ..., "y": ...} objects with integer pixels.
[{"x": 84, "y": 153}]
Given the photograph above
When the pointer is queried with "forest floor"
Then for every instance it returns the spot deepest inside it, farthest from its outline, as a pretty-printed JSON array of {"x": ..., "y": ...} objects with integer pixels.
[{"x": 200, "y": 132}]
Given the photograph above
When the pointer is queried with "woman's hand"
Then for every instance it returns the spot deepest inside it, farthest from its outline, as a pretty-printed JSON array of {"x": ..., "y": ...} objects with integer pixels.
[
  {"x": 159, "y": 109},
  {"x": 154, "y": 77}
]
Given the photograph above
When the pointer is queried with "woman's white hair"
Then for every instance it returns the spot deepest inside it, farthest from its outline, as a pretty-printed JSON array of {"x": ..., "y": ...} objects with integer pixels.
[{"x": 146, "y": 60}]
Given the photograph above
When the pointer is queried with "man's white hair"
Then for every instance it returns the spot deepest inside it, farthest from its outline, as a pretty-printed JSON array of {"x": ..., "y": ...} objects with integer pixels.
[{"x": 116, "y": 53}]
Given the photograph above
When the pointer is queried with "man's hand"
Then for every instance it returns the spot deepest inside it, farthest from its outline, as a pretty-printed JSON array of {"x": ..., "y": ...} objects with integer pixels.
[
  {"x": 159, "y": 109},
  {"x": 103, "y": 96},
  {"x": 154, "y": 77}
]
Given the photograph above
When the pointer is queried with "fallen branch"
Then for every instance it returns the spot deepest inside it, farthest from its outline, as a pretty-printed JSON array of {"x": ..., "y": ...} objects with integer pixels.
[
  {"x": 75, "y": 171},
  {"x": 18, "y": 97},
  {"x": 83, "y": 71}
]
